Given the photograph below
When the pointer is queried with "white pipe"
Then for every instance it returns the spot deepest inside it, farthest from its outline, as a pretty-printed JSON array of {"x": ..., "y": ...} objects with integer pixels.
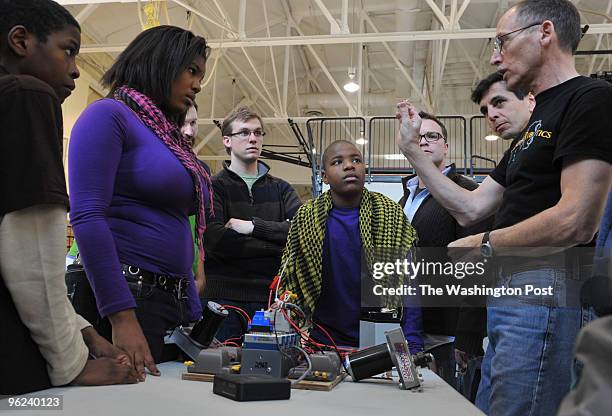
[{"x": 334, "y": 101}]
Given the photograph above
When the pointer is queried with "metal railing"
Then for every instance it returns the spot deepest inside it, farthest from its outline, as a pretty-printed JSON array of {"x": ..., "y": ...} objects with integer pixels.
[
  {"x": 471, "y": 154},
  {"x": 385, "y": 157}
]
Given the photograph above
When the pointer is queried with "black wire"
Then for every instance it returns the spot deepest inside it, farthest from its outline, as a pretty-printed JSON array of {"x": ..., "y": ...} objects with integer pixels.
[{"x": 243, "y": 321}]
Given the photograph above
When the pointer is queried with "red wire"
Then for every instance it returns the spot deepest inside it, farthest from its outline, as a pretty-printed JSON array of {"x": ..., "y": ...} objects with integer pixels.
[
  {"x": 309, "y": 339},
  {"x": 232, "y": 344},
  {"x": 270, "y": 299},
  {"x": 246, "y": 315},
  {"x": 232, "y": 339},
  {"x": 326, "y": 334}
]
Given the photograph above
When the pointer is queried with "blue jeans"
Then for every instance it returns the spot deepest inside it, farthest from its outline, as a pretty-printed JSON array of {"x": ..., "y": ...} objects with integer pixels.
[
  {"x": 234, "y": 326},
  {"x": 527, "y": 368}
]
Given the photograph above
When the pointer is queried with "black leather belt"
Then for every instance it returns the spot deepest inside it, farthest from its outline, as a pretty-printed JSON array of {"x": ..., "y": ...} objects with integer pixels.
[{"x": 177, "y": 286}]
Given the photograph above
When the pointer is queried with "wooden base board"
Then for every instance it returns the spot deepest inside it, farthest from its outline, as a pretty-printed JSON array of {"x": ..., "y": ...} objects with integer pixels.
[
  {"x": 198, "y": 377},
  {"x": 319, "y": 385},
  {"x": 302, "y": 385}
]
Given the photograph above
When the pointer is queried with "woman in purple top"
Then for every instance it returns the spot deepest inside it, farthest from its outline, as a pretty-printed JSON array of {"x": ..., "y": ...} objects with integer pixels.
[{"x": 134, "y": 180}]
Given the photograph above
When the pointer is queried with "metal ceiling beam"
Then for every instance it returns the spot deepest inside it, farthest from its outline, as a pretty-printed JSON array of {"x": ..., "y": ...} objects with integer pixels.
[
  {"x": 344, "y": 19},
  {"x": 598, "y": 44},
  {"x": 344, "y": 39},
  {"x": 286, "y": 73},
  {"x": 281, "y": 107},
  {"x": 360, "y": 67},
  {"x": 266, "y": 120},
  {"x": 86, "y": 12},
  {"x": 329, "y": 76},
  {"x": 224, "y": 14},
  {"x": 501, "y": 6},
  {"x": 399, "y": 65},
  {"x": 203, "y": 16},
  {"x": 295, "y": 84},
  {"x": 469, "y": 59},
  {"x": 331, "y": 79},
  {"x": 439, "y": 14},
  {"x": 253, "y": 87},
  {"x": 461, "y": 11},
  {"x": 242, "y": 19},
  {"x": 334, "y": 27},
  {"x": 259, "y": 78}
]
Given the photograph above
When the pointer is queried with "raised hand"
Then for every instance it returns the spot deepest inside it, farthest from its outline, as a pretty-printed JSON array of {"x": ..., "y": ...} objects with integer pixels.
[{"x": 408, "y": 137}]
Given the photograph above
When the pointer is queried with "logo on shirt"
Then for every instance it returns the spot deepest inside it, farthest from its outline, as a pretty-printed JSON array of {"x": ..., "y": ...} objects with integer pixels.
[{"x": 533, "y": 132}]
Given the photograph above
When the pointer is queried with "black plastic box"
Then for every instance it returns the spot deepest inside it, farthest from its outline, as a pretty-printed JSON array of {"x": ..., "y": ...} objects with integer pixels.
[{"x": 247, "y": 387}]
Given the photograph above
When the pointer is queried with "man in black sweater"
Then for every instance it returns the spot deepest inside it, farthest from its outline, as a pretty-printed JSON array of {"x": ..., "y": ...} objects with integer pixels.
[
  {"x": 436, "y": 227},
  {"x": 245, "y": 238}
]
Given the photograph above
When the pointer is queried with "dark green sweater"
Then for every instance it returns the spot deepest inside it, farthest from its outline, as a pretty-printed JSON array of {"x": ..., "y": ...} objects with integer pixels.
[{"x": 240, "y": 267}]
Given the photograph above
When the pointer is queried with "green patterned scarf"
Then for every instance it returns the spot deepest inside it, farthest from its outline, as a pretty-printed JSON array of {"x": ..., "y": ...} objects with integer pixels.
[{"x": 382, "y": 225}]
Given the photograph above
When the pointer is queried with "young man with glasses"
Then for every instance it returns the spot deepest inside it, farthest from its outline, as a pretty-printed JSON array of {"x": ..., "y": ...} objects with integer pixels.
[
  {"x": 444, "y": 328},
  {"x": 245, "y": 238},
  {"x": 548, "y": 193}
]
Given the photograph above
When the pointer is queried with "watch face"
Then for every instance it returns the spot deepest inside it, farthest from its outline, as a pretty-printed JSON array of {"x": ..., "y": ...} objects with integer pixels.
[{"x": 486, "y": 250}]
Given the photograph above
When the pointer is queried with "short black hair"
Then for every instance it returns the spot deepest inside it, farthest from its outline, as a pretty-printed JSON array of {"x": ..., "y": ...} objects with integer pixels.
[
  {"x": 562, "y": 13},
  {"x": 154, "y": 59},
  {"x": 427, "y": 116},
  {"x": 40, "y": 17},
  {"x": 485, "y": 84},
  {"x": 332, "y": 145}
]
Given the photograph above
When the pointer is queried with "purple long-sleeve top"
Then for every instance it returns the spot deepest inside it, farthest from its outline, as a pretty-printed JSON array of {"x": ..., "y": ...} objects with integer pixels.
[{"x": 130, "y": 198}]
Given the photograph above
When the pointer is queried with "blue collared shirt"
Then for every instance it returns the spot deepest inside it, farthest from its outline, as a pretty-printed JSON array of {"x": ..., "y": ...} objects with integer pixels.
[{"x": 414, "y": 201}]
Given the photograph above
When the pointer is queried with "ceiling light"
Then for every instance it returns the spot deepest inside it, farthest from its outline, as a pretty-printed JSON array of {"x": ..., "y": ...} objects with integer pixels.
[
  {"x": 361, "y": 141},
  {"x": 491, "y": 138},
  {"x": 351, "y": 85}
]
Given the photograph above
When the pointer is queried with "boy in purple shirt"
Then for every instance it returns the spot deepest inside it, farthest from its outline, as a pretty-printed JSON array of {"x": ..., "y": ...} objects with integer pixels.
[{"x": 325, "y": 245}]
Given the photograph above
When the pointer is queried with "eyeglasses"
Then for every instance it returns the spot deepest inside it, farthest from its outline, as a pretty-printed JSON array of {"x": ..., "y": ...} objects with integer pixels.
[
  {"x": 431, "y": 136},
  {"x": 245, "y": 134},
  {"x": 499, "y": 39}
]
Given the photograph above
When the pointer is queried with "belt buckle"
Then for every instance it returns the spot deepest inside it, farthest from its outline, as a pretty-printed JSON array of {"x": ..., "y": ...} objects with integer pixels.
[{"x": 182, "y": 284}]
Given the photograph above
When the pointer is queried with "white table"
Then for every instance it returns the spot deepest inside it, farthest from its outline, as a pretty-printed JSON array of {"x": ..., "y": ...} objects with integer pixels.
[{"x": 168, "y": 395}]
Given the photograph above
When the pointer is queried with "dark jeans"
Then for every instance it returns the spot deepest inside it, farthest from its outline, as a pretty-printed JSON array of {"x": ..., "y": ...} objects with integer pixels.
[
  {"x": 157, "y": 311},
  {"x": 22, "y": 367},
  {"x": 234, "y": 326}
]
